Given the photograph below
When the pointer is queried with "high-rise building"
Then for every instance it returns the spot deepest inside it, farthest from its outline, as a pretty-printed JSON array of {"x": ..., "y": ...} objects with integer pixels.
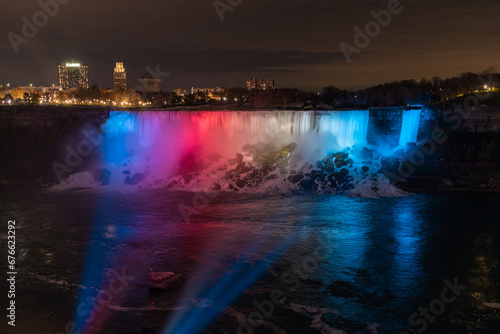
[
  {"x": 149, "y": 84},
  {"x": 120, "y": 76},
  {"x": 254, "y": 84},
  {"x": 73, "y": 75}
]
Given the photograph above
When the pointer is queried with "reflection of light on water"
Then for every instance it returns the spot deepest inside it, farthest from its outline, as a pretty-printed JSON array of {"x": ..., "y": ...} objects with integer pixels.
[
  {"x": 347, "y": 232},
  {"x": 254, "y": 254},
  {"x": 407, "y": 232}
]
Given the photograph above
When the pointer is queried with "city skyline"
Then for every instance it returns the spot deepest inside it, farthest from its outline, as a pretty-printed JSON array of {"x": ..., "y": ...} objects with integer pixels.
[{"x": 306, "y": 46}]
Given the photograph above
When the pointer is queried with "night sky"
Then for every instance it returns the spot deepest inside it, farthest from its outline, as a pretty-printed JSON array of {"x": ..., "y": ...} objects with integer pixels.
[{"x": 296, "y": 43}]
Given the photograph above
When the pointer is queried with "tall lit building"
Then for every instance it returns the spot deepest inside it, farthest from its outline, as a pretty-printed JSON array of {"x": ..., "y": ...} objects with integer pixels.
[
  {"x": 120, "y": 77},
  {"x": 149, "y": 84},
  {"x": 254, "y": 84},
  {"x": 73, "y": 75}
]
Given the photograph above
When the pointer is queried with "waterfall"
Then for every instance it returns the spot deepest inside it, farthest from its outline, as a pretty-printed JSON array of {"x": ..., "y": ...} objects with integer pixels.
[
  {"x": 409, "y": 128},
  {"x": 159, "y": 141}
]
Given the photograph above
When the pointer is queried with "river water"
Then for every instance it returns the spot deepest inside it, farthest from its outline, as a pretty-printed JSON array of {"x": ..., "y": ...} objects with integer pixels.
[{"x": 254, "y": 263}]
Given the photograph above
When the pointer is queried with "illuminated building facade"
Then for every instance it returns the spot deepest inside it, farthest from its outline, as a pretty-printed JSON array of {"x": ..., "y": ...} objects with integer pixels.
[
  {"x": 149, "y": 84},
  {"x": 120, "y": 77},
  {"x": 73, "y": 75},
  {"x": 208, "y": 91},
  {"x": 254, "y": 84},
  {"x": 180, "y": 91}
]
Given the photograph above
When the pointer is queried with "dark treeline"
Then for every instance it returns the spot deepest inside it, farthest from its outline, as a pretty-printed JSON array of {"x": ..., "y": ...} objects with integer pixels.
[{"x": 396, "y": 93}]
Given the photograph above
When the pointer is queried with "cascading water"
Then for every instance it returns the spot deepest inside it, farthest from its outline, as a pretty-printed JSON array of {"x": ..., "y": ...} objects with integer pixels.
[
  {"x": 409, "y": 128},
  {"x": 160, "y": 139},
  {"x": 261, "y": 151}
]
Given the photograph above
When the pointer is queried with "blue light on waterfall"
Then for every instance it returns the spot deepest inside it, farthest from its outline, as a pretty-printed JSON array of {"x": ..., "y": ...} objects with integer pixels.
[
  {"x": 349, "y": 128},
  {"x": 409, "y": 128}
]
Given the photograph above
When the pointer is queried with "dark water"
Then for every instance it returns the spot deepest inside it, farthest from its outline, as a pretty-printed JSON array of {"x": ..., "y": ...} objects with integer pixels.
[{"x": 331, "y": 264}]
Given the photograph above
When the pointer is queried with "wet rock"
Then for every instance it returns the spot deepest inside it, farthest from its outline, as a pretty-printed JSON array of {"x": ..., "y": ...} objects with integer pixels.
[
  {"x": 410, "y": 147},
  {"x": 308, "y": 185},
  {"x": 349, "y": 162},
  {"x": 136, "y": 179},
  {"x": 188, "y": 177},
  {"x": 232, "y": 162},
  {"x": 240, "y": 168},
  {"x": 239, "y": 158},
  {"x": 126, "y": 172},
  {"x": 230, "y": 174},
  {"x": 297, "y": 178},
  {"x": 366, "y": 154},
  {"x": 172, "y": 184},
  {"x": 102, "y": 176},
  {"x": 285, "y": 152},
  {"x": 344, "y": 172},
  {"x": 340, "y": 163},
  {"x": 390, "y": 164},
  {"x": 271, "y": 177},
  {"x": 241, "y": 184},
  {"x": 399, "y": 154},
  {"x": 341, "y": 155},
  {"x": 164, "y": 280},
  {"x": 216, "y": 187},
  {"x": 365, "y": 169}
]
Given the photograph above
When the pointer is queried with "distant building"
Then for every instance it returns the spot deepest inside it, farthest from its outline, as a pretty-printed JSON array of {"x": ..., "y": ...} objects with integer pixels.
[
  {"x": 149, "y": 84},
  {"x": 73, "y": 75},
  {"x": 208, "y": 91},
  {"x": 120, "y": 77},
  {"x": 254, "y": 84},
  {"x": 180, "y": 91},
  {"x": 41, "y": 89}
]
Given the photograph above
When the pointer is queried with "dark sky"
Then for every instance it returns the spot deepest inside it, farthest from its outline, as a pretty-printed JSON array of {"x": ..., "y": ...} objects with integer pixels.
[{"x": 295, "y": 42}]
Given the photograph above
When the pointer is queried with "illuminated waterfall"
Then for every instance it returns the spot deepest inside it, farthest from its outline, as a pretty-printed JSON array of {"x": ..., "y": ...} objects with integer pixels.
[
  {"x": 160, "y": 139},
  {"x": 409, "y": 128}
]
